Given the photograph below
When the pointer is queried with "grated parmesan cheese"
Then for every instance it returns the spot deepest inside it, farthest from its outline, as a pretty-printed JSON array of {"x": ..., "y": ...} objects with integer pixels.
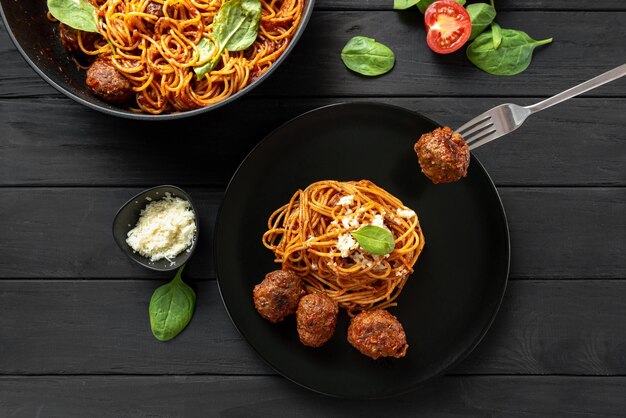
[
  {"x": 379, "y": 221},
  {"x": 345, "y": 200},
  {"x": 165, "y": 228},
  {"x": 350, "y": 222},
  {"x": 345, "y": 244},
  {"x": 405, "y": 213}
]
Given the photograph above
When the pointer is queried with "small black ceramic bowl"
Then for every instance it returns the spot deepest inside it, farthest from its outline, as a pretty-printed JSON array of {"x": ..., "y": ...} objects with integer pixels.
[
  {"x": 37, "y": 39},
  {"x": 127, "y": 218}
]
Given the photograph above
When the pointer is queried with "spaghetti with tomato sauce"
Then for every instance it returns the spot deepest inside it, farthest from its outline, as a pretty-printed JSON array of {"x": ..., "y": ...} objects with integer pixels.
[
  {"x": 311, "y": 236},
  {"x": 154, "y": 46}
]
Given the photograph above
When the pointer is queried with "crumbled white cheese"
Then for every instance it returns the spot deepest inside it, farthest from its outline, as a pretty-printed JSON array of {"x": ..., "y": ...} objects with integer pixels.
[
  {"x": 401, "y": 272},
  {"x": 345, "y": 244},
  {"x": 360, "y": 258},
  {"x": 350, "y": 222},
  {"x": 379, "y": 267},
  {"x": 345, "y": 200},
  {"x": 378, "y": 221},
  {"x": 405, "y": 213},
  {"x": 165, "y": 228}
]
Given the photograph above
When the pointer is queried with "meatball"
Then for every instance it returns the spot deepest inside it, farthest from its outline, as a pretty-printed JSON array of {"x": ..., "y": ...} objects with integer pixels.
[
  {"x": 108, "y": 83},
  {"x": 155, "y": 9},
  {"x": 377, "y": 334},
  {"x": 69, "y": 39},
  {"x": 316, "y": 317},
  {"x": 278, "y": 295},
  {"x": 443, "y": 155}
]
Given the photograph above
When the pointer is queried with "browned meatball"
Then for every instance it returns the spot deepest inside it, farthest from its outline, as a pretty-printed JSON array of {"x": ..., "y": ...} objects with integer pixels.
[
  {"x": 108, "y": 83},
  {"x": 69, "y": 38},
  {"x": 377, "y": 334},
  {"x": 443, "y": 155},
  {"x": 316, "y": 318},
  {"x": 155, "y": 9},
  {"x": 278, "y": 295}
]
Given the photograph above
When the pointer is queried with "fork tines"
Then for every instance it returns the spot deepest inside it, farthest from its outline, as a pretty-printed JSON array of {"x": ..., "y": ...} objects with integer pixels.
[{"x": 478, "y": 130}]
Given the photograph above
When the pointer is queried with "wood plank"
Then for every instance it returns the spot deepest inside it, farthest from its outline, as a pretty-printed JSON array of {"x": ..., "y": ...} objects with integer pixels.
[
  {"x": 101, "y": 327},
  {"x": 581, "y": 142},
  {"x": 201, "y": 396},
  {"x": 65, "y": 233},
  {"x": 501, "y": 5},
  {"x": 581, "y": 50},
  {"x": 555, "y": 327},
  {"x": 563, "y": 233}
]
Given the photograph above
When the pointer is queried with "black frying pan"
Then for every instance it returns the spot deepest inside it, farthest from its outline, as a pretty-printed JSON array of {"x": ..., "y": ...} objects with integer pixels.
[{"x": 37, "y": 40}]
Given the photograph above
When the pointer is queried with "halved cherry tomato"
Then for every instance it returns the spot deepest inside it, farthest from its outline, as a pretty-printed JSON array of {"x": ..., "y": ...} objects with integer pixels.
[{"x": 448, "y": 25}]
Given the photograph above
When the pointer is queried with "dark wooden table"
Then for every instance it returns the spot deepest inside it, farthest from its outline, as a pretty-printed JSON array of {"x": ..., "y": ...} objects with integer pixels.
[{"x": 74, "y": 333}]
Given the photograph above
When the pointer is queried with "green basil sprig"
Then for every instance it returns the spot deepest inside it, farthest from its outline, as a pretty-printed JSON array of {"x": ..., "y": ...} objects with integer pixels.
[
  {"x": 513, "y": 55},
  {"x": 235, "y": 28},
  {"x": 481, "y": 16},
  {"x": 366, "y": 56},
  {"x": 496, "y": 35},
  {"x": 423, "y": 4},
  {"x": 78, "y": 14},
  {"x": 404, "y": 4},
  {"x": 171, "y": 308},
  {"x": 374, "y": 239},
  {"x": 206, "y": 49}
]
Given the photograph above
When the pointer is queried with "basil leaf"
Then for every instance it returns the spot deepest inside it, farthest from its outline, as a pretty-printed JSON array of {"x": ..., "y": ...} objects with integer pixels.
[
  {"x": 171, "y": 308},
  {"x": 512, "y": 56},
  {"x": 235, "y": 28},
  {"x": 366, "y": 56},
  {"x": 237, "y": 24},
  {"x": 496, "y": 32},
  {"x": 404, "y": 4},
  {"x": 206, "y": 49},
  {"x": 481, "y": 15},
  {"x": 78, "y": 14},
  {"x": 423, "y": 4},
  {"x": 374, "y": 239}
]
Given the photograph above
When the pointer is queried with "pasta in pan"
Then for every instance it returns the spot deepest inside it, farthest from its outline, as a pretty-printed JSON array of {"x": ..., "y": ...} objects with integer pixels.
[{"x": 157, "y": 47}]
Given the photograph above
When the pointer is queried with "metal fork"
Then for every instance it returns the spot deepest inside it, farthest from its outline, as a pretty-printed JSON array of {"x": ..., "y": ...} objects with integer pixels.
[{"x": 508, "y": 117}]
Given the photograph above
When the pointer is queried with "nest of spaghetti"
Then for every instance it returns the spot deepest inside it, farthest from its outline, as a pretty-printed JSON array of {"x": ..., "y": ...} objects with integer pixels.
[
  {"x": 311, "y": 236},
  {"x": 164, "y": 56},
  {"x": 317, "y": 239}
]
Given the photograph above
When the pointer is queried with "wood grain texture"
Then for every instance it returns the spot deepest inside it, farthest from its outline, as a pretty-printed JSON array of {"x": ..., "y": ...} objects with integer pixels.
[
  {"x": 206, "y": 396},
  {"x": 501, "y": 5},
  {"x": 51, "y": 237},
  {"x": 581, "y": 142},
  {"x": 65, "y": 233},
  {"x": 74, "y": 332},
  {"x": 101, "y": 327},
  {"x": 581, "y": 50}
]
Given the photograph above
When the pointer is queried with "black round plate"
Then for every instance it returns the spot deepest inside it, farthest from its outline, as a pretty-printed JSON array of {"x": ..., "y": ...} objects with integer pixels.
[{"x": 447, "y": 304}]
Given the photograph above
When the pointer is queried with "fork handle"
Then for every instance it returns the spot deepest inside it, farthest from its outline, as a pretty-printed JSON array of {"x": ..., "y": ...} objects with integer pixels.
[{"x": 607, "y": 77}]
